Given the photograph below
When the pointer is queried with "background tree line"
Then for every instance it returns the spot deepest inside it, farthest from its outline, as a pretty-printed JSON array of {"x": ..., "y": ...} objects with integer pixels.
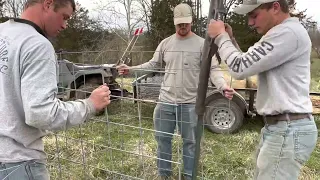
[{"x": 115, "y": 21}]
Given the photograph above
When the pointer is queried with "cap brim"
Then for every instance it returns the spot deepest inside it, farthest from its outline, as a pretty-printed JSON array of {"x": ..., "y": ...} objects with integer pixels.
[
  {"x": 182, "y": 20},
  {"x": 245, "y": 9}
]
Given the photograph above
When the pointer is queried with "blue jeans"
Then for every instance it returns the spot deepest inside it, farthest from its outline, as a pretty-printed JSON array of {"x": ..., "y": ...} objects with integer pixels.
[
  {"x": 284, "y": 148},
  {"x": 28, "y": 170},
  {"x": 166, "y": 117}
]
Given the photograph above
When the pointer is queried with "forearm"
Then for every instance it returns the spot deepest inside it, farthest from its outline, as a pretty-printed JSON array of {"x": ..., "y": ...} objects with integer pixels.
[
  {"x": 219, "y": 82},
  {"x": 262, "y": 56},
  {"x": 234, "y": 42},
  {"x": 58, "y": 115},
  {"x": 146, "y": 65},
  {"x": 155, "y": 62},
  {"x": 229, "y": 53},
  {"x": 42, "y": 108},
  {"x": 216, "y": 75}
]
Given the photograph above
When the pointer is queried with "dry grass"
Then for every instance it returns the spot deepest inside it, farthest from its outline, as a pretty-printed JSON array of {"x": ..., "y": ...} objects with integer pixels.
[
  {"x": 250, "y": 82},
  {"x": 110, "y": 147},
  {"x": 120, "y": 144}
]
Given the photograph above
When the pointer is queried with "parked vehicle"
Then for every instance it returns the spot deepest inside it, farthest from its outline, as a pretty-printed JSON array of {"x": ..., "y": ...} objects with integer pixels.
[
  {"x": 77, "y": 81},
  {"x": 222, "y": 115}
]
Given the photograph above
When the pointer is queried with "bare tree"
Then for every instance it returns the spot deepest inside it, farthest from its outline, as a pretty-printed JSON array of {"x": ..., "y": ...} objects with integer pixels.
[
  {"x": 1, "y": 8},
  {"x": 314, "y": 34},
  {"x": 123, "y": 15},
  {"x": 230, "y": 3},
  {"x": 145, "y": 9},
  {"x": 13, "y": 8}
]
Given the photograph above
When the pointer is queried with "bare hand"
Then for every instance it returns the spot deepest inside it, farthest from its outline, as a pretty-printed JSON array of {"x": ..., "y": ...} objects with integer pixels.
[
  {"x": 228, "y": 92},
  {"x": 123, "y": 69},
  {"x": 229, "y": 30},
  {"x": 216, "y": 28},
  {"x": 100, "y": 97}
]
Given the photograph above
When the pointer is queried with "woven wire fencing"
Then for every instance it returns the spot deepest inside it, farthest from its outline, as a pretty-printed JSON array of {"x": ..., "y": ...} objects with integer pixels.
[{"x": 120, "y": 142}]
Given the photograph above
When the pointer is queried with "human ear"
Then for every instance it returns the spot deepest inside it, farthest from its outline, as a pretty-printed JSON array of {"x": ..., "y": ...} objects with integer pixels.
[
  {"x": 47, "y": 4},
  {"x": 276, "y": 7}
]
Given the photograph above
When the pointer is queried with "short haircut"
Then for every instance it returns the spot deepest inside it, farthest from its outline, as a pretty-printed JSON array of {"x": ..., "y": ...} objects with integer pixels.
[
  {"x": 57, "y": 3},
  {"x": 283, "y": 4}
]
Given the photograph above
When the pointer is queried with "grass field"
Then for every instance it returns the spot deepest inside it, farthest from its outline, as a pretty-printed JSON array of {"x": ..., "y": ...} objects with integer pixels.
[
  {"x": 122, "y": 143},
  {"x": 315, "y": 74}
]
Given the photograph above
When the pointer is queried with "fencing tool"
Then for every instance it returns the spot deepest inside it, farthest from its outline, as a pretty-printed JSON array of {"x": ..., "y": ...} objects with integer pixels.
[
  {"x": 124, "y": 58},
  {"x": 134, "y": 39},
  {"x": 217, "y": 11}
]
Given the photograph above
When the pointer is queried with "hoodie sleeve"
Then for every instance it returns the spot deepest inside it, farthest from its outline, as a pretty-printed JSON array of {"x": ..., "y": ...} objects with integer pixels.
[
  {"x": 39, "y": 90},
  {"x": 275, "y": 48},
  {"x": 156, "y": 61},
  {"x": 216, "y": 74}
]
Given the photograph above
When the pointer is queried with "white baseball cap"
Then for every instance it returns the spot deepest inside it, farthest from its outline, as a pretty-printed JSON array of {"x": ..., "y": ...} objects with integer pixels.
[
  {"x": 182, "y": 13},
  {"x": 249, "y": 5}
]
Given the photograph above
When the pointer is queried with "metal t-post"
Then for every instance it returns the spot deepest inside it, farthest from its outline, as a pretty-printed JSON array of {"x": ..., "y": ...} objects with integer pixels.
[{"x": 217, "y": 10}]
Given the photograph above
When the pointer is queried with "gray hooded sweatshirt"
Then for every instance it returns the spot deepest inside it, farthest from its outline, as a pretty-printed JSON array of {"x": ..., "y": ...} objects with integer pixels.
[
  {"x": 28, "y": 89},
  {"x": 282, "y": 61}
]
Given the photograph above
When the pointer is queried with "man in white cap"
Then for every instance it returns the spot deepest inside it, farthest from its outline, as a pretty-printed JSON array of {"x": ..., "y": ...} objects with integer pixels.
[
  {"x": 281, "y": 59},
  {"x": 181, "y": 54}
]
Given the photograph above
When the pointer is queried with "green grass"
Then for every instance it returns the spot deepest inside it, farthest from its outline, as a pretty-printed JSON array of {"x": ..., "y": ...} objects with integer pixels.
[
  {"x": 115, "y": 143},
  {"x": 125, "y": 83},
  {"x": 315, "y": 74},
  {"x": 122, "y": 144}
]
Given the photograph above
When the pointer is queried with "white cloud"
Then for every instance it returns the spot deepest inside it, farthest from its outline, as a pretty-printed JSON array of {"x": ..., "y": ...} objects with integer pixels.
[
  {"x": 87, "y": 4},
  {"x": 311, "y": 6}
]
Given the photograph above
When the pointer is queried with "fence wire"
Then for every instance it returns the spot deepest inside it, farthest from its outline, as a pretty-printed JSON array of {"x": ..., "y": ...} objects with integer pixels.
[{"x": 120, "y": 143}]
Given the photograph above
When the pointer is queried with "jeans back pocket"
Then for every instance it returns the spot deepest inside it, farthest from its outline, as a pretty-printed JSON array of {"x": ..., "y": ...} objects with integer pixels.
[
  {"x": 304, "y": 144},
  {"x": 37, "y": 171}
]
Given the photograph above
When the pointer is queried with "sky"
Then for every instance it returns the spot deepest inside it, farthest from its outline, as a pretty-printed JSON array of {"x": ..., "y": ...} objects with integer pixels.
[{"x": 312, "y": 6}]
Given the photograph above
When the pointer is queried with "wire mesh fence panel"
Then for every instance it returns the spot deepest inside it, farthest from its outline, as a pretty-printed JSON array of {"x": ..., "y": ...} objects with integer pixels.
[{"x": 122, "y": 142}]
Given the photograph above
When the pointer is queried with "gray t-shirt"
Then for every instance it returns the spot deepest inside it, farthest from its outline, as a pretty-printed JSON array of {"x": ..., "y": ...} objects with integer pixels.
[
  {"x": 28, "y": 89},
  {"x": 181, "y": 58},
  {"x": 282, "y": 61}
]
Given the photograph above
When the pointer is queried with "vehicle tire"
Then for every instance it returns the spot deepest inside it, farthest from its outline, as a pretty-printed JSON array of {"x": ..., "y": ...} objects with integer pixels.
[
  {"x": 85, "y": 90},
  {"x": 223, "y": 116},
  {"x": 151, "y": 89}
]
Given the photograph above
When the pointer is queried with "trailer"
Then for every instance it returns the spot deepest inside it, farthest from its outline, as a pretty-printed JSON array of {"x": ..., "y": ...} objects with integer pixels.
[{"x": 222, "y": 115}]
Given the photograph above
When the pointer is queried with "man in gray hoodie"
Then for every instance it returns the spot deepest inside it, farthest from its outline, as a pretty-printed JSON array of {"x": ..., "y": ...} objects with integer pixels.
[
  {"x": 28, "y": 89},
  {"x": 281, "y": 59}
]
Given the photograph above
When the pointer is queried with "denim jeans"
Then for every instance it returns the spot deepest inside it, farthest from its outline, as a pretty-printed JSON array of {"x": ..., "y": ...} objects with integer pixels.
[
  {"x": 166, "y": 117},
  {"x": 284, "y": 148},
  {"x": 28, "y": 170}
]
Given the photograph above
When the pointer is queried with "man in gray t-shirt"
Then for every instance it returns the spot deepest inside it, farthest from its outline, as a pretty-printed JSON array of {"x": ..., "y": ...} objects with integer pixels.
[
  {"x": 28, "y": 89},
  {"x": 281, "y": 59},
  {"x": 181, "y": 54}
]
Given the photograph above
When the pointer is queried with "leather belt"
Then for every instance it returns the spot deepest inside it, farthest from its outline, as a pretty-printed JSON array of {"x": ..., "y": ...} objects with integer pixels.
[{"x": 273, "y": 119}]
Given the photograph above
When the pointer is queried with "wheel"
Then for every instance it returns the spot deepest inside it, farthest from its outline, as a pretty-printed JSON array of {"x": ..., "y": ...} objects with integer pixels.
[
  {"x": 151, "y": 89},
  {"x": 223, "y": 116},
  {"x": 85, "y": 90}
]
